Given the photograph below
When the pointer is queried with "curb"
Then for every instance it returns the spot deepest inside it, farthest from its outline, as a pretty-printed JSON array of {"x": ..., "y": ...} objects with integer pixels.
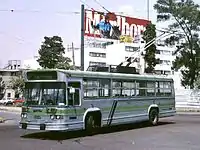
[
  {"x": 11, "y": 109},
  {"x": 188, "y": 109}
]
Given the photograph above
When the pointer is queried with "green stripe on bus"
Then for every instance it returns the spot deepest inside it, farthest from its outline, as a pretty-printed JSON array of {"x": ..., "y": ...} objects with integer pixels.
[{"x": 80, "y": 111}]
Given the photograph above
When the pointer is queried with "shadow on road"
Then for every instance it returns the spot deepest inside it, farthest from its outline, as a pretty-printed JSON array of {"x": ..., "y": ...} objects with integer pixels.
[{"x": 54, "y": 135}]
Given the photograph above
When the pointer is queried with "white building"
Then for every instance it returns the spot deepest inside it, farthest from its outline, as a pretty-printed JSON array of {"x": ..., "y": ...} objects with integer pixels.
[
  {"x": 7, "y": 74},
  {"x": 30, "y": 64},
  {"x": 96, "y": 53},
  {"x": 165, "y": 54}
]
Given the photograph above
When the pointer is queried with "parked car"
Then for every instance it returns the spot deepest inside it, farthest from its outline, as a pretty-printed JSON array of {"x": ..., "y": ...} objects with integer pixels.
[
  {"x": 7, "y": 101},
  {"x": 18, "y": 101}
]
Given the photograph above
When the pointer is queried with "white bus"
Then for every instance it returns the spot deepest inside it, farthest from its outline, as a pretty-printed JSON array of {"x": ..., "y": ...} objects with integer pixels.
[{"x": 73, "y": 100}]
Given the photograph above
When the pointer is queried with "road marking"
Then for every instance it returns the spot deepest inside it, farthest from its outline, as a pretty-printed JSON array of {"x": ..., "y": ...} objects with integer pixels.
[{"x": 133, "y": 142}]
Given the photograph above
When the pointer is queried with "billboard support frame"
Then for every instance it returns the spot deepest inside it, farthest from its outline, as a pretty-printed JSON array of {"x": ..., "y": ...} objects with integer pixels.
[{"x": 82, "y": 35}]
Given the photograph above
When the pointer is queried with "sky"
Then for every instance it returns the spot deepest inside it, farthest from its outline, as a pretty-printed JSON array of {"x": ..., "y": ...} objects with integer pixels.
[{"x": 23, "y": 29}]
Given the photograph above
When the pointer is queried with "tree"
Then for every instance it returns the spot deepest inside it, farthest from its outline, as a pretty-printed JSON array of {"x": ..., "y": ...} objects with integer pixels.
[
  {"x": 51, "y": 54},
  {"x": 2, "y": 88},
  {"x": 149, "y": 57},
  {"x": 18, "y": 85},
  {"x": 64, "y": 63},
  {"x": 185, "y": 17}
]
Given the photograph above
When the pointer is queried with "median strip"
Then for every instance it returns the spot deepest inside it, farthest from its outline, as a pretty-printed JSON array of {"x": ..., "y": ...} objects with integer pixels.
[{"x": 2, "y": 120}]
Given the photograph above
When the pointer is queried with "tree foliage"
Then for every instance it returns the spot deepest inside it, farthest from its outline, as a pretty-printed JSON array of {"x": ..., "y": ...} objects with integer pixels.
[
  {"x": 51, "y": 54},
  {"x": 2, "y": 88},
  {"x": 18, "y": 85},
  {"x": 150, "y": 56},
  {"x": 185, "y": 17}
]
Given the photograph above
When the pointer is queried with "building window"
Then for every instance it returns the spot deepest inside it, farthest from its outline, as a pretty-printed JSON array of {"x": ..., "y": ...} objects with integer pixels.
[
  {"x": 165, "y": 62},
  {"x": 163, "y": 52},
  {"x": 131, "y": 49},
  {"x": 158, "y": 52},
  {"x": 99, "y": 44},
  {"x": 8, "y": 95},
  {"x": 93, "y": 54},
  {"x": 92, "y": 63}
]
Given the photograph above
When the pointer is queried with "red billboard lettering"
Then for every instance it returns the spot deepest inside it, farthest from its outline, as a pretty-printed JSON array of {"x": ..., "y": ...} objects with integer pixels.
[{"x": 127, "y": 25}]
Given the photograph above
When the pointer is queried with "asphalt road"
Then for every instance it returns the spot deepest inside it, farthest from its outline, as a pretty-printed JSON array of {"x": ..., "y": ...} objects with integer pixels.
[{"x": 177, "y": 133}]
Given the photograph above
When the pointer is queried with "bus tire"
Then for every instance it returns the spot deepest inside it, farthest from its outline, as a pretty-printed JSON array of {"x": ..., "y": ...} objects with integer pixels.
[
  {"x": 92, "y": 122},
  {"x": 153, "y": 116}
]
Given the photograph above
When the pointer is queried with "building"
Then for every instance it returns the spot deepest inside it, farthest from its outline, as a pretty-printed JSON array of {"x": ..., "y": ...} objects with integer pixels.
[
  {"x": 165, "y": 55},
  {"x": 108, "y": 52},
  {"x": 11, "y": 71}
]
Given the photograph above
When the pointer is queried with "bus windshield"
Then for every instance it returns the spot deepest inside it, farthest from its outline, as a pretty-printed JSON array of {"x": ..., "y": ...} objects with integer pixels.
[{"x": 45, "y": 93}]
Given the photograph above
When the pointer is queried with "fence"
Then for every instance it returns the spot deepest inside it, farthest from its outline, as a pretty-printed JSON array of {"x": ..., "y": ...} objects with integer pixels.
[{"x": 187, "y": 99}]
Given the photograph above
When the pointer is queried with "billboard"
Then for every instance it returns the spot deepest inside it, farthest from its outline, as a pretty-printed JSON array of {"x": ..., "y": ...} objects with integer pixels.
[{"x": 112, "y": 26}]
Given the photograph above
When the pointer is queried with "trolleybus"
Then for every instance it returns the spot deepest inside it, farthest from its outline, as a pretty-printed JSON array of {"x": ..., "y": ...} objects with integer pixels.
[{"x": 74, "y": 100}]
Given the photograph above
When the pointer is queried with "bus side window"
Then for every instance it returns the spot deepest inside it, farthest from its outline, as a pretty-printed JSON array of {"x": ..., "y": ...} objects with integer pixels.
[
  {"x": 163, "y": 89},
  {"x": 90, "y": 88},
  {"x": 104, "y": 87},
  {"x": 77, "y": 97},
  {"x": 74, "y": 98},
  {"x": 128, "y": 88},
  {"x": 70, "y": 98},
  {"x": 167, "y": 88},
  {"x": 116, "y": 88},
  {"x": 150, "y": 88},
  {"x": 141, "y": 88}
]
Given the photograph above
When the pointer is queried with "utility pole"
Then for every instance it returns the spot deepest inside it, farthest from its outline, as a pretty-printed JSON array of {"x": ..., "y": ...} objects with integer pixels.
[
  {"x": 148, "y": 9},
  {"x": 82, "y": 36},
  {"x": 72, "y": 49},
  {"x": 73, "y": 60}
]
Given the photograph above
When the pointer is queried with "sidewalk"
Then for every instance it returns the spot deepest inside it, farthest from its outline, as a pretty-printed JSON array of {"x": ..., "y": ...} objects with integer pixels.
[
  {"x": 10, "y": 109},
  {"x": 187, "y": 107}
]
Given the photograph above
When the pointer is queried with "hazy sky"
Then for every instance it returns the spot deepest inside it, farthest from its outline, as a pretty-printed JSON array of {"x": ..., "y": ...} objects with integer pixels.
[{"x": 22, "y": 31}]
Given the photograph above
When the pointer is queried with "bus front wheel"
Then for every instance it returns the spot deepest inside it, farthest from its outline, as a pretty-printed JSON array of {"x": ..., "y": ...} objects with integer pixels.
[
  {"x": 90, "y": 124},
  {"x": 153, "y": 116}
]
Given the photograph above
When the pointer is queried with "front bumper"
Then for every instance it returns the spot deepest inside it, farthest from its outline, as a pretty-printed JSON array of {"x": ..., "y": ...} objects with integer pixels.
[{"x": 51, "y": 126}]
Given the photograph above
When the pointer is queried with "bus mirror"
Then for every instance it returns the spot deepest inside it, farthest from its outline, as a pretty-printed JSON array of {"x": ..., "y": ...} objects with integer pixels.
[{"x": 71, "y": 90}]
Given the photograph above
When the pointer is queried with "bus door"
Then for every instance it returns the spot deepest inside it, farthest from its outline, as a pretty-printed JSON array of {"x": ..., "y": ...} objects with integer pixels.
[{"x": 74, "y": 95}]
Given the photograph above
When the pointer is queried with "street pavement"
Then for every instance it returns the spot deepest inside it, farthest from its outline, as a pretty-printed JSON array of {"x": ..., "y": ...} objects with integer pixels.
[
  {"x": 175, "y": 133},
  {"x": 10, "y": 118}
]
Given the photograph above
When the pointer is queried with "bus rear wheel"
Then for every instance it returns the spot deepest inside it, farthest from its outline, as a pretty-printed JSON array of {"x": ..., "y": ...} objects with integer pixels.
[{"x": 153, "y": 116}]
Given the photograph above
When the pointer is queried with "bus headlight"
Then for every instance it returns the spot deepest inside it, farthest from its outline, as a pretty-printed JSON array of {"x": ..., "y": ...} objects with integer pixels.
[
  {"x": 60, "y": 117},
  {"x": 52, "y": 117},
  {"x": 24, "y": 115}
]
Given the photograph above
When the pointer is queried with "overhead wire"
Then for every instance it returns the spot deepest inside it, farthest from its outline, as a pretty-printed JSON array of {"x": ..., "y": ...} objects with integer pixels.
[
  {"x": 102, "y": 6},
  {"x": 99, "y": 12},
  {"x": 38, "y": 11}
]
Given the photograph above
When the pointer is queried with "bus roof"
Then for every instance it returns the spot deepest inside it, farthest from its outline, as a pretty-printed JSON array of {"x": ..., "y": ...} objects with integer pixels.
[{"x": 78, "y": 73}]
